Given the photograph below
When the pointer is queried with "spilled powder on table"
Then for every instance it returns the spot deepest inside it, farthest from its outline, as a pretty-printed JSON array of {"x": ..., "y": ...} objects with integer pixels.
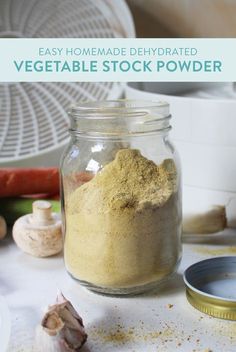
[{"x": 215, "y": 251}]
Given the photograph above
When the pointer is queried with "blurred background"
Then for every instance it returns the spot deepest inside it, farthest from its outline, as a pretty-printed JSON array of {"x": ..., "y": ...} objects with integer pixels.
[{"x": 184, "y": 18}]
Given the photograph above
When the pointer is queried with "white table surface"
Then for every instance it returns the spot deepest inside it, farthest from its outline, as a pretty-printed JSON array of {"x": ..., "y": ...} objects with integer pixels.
[{"x": 142, "y": 323}]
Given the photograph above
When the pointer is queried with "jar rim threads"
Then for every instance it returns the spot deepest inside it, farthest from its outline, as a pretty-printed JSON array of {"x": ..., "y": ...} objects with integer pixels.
[{"x": 119, "y": 117}]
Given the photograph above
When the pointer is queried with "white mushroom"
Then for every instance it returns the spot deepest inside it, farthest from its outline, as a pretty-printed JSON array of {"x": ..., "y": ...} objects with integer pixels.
[
  {"x": 211, "y": 221},
  {"x": 39, "y": 233},
  {"x": 3, "y": 228}
]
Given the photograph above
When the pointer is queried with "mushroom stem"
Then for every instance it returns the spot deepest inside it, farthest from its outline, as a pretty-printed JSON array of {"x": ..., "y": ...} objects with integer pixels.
[{"x": 42, "y": 213}]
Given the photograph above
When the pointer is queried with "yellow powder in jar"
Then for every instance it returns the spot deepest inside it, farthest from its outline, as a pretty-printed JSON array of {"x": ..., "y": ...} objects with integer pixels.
[{"x": 122, "y": 226}]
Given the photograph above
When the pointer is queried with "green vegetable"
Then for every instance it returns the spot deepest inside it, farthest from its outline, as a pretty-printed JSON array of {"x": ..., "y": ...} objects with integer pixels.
[{"x": 13, "y": 208}]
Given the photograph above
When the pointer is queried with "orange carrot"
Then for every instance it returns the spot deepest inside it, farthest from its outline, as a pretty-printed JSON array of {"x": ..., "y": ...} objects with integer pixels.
[
  {"x": 18, "y": 181},
  {"x": 76, "y": 179},
  {"x": 83, "y": 177}
]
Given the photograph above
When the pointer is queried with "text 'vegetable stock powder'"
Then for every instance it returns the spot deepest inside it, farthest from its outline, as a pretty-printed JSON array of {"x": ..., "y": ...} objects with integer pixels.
[{"x": 122, "y": 226}]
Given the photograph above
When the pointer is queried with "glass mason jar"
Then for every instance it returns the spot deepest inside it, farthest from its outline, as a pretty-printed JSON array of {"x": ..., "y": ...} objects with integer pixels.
[{"x": 121, "y": 196}]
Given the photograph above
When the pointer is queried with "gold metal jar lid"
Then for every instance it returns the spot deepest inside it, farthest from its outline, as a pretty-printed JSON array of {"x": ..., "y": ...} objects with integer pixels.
[{"x": 211, "y": 286}]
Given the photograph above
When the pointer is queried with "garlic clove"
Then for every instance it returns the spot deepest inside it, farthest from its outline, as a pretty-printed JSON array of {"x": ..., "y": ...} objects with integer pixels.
[
  {"x": 52, "y": 323},
  {"x": 212, "y": 221},
  {"x": 3, "y": 228},
  {"x": 61, "y": 329}
]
